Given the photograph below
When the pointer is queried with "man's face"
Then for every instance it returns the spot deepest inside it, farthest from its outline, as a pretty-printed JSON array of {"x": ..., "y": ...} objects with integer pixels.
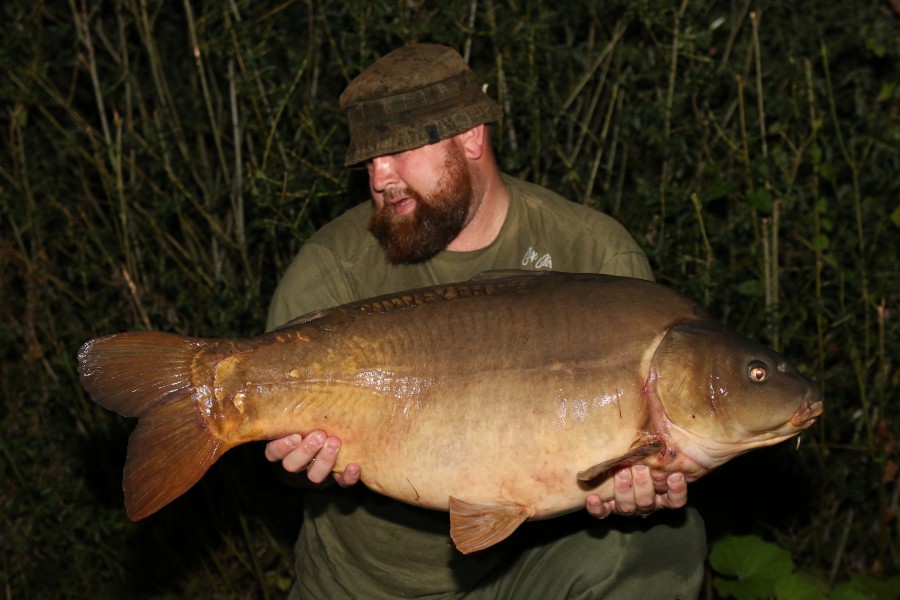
[{"x": 422, "y": 199}]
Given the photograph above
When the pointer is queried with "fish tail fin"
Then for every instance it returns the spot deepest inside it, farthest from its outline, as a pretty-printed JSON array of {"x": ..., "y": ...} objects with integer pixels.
[{"x": 148, "y": 375}]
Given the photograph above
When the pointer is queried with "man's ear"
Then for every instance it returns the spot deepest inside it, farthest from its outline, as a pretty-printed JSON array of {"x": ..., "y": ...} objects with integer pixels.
[{"x": 472, "y": 141}]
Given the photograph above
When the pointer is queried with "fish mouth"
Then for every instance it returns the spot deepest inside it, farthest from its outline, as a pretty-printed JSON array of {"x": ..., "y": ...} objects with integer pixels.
[{"x": 808, "y": 412}]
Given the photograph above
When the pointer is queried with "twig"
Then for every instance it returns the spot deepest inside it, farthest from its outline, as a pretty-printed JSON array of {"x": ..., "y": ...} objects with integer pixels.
[
  {"x": 204, "y": 87},
  {"x": 760, "y": 103},
  {"x": 84, "y": 35},
  {"x": 595, "y": 166},
  {"x": 673, "y": 70},
  {"x": 618, "y": 32},
  {"x": 614, "y": 144},
  {"x": 237, "y": 184},
  {"x": 842, "y": 543},
  {"x": 710, "y": 256},
  {"x": 467, "y": 47},
  {"x": 667, "y": 124},
  {"x": 135, "y": 296},
  {"x": 273, "y": 126},
  {"x": 735, "y": 29}
]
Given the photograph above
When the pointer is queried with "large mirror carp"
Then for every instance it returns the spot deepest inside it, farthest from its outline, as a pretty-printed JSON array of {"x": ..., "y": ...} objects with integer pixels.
[{"x": 501, "y": 399}]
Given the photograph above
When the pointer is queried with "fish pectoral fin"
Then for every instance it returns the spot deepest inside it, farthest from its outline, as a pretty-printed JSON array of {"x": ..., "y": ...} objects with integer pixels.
[
  {"x": 647, "y": 447},
  {"x": 475, "y": 527}
]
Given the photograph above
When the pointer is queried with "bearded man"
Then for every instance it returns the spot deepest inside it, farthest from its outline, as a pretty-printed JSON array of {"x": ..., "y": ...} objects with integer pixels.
[{"x": 441, "y": 211}]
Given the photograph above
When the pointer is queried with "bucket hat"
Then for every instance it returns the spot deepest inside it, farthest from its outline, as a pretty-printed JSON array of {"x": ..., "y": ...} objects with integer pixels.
[{"x": 411, "y": 97}]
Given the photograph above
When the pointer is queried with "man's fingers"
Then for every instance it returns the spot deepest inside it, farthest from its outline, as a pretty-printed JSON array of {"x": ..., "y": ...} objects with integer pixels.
[
  {"x": 316, "y": 454},
  {"x": 677, "y": 493},
  {"x": 624, "y": 493},
  {"x": 303, "y": 453},
  {"x": 349, "y": 477},
  {"x": 639, "y": 491},
  {"x": 644, "y": 490},
  {"x": 323, "y": 462},
  {"x": 636, "y": 492},
  {"x": 597, "y": 507},
  {"x": 278, "y": 449}
]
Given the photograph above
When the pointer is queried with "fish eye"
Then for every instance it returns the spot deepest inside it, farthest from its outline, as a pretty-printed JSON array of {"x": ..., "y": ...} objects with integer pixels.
[{"x": 758, "y": 371}]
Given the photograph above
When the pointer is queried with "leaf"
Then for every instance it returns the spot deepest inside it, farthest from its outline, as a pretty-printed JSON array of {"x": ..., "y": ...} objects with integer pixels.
[
  {"x": 820, "y": 242},
  {"x": 761, "y": 200},
  {"x": 815, "y": 153},
  {"x": 745, "y": 556},
  {"x": 886, "y": 92},
  {"x": 864, "y": 587},
  {"x": 846, "y": 591},
  {"x": 752, "y": 288},
  {"x": 751, "y": 589},
  {"x": 800, "y": 586},
  {"x": 895, "y": 216},
  {"x": 717, "y": 190},
  {"x": 754, "y": 563}
]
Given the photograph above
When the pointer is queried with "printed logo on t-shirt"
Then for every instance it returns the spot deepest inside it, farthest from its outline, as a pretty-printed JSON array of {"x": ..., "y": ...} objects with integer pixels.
[{"x": 538, "y": 261}]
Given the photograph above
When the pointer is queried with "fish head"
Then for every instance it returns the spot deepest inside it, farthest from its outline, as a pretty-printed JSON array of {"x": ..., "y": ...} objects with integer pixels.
[{"x": 718, "y": 394}]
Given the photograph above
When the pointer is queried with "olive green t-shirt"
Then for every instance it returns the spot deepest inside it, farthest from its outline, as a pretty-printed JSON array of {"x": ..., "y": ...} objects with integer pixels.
[
  {"x": 353, "y": 542},
  {"x": 343, "y": 262}
]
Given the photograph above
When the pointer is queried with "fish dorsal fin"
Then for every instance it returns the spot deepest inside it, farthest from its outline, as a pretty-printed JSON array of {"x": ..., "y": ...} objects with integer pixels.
[
  {"x": 525, "y": 276},
  {"x": 498, "y": 274},
  {"x": 501, "y": 281},
  {"x": 646, "y": 446},
  {"x": 475, "y": 527}
]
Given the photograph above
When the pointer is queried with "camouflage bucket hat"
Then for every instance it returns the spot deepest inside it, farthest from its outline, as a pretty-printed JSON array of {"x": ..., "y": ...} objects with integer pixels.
[{"x": 414, "y": 96}]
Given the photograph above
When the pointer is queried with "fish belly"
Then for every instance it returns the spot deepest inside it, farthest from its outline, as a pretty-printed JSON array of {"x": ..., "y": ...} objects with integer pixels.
[{"x": 465, "y": 424}]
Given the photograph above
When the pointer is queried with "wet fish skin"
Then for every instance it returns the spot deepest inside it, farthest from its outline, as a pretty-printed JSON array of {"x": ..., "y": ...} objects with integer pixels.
[{"x": 502, "y": 399}]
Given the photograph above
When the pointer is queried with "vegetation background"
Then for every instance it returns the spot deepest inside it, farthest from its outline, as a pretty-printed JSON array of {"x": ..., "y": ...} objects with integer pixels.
[{"x": 161, "y": 163}]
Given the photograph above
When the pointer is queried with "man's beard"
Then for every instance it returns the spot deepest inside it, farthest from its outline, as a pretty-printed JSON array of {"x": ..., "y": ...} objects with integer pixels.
[{"x": 435, "y": 221}]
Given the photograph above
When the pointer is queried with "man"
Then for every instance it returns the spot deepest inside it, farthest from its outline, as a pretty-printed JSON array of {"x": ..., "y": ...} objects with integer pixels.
[{"x": 442, "y": 211}]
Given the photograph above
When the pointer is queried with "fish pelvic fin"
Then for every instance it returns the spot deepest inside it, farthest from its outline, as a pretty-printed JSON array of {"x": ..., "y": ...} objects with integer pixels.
[
  {"x": 475, "y": 527},
  {"x": 647, "y": 447},
  {"x": 148, "y": 375}
]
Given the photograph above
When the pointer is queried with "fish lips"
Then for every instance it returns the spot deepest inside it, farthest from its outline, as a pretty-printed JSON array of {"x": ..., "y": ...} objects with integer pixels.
[{"x": 811, "y": 409}]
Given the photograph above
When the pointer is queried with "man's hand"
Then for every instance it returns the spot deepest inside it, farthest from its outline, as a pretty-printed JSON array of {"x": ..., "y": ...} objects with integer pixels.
[
  {"x": 640, "y": 492},
  {"x": 315, "y": 453}
]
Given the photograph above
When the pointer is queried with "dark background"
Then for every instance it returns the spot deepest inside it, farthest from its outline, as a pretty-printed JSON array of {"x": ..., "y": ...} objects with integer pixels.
[{"x": 161, "y": 163}]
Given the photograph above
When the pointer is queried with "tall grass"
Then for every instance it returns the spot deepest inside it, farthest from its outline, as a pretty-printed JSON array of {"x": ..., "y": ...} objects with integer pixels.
[{"x": 162, "y": 162}]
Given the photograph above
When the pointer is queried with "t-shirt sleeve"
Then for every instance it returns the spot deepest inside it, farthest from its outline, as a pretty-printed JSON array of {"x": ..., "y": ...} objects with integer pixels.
[
  {"x": 629, "y": 263},
  {"x": 314, "y": 280},
  {"x": 572, "y": 237}
]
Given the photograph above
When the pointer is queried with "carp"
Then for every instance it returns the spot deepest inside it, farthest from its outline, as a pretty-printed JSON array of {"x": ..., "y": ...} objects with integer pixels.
[{"x": 501, "y": 399}]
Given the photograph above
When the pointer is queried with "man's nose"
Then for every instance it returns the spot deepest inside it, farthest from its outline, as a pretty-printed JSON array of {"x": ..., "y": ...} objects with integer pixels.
[{"x": 381, "y": 173}]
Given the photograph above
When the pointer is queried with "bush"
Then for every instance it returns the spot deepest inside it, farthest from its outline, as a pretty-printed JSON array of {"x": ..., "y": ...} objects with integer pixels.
[{"x": 163, "y": 162}]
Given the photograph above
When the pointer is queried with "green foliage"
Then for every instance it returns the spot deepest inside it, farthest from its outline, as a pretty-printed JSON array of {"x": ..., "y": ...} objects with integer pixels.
[
  {"x": 749, "y": 568},
  {"x": 755, "y": 564},
  {"x": 162, "y": 162}
]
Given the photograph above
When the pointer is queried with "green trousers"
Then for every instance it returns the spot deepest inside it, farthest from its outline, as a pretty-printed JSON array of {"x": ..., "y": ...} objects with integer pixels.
[
  {"x": 660, "y": 558},
  {"x": 575, "y": 556}
]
